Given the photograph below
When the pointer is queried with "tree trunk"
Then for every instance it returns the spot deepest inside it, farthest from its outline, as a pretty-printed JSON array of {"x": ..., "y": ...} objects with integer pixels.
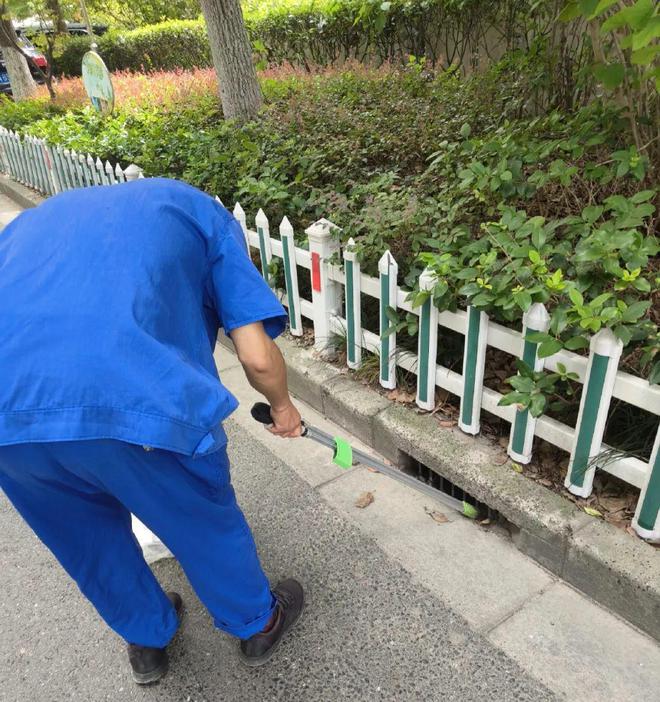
[
  {"x": 232, "y": 58},
  {"x": 23, "y": 86}
]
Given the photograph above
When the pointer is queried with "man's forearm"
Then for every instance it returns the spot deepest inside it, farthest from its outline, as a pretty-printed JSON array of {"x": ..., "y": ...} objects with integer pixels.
[{"x": 270, "y": 378}]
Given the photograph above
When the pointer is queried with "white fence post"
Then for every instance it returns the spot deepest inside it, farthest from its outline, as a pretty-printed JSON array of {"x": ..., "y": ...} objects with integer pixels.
[
  {"x": 594, "y": 405},
  {"x": 326, "y": 293},
  {"x": 52, "y": 170},
  {"x": 353, "y": 291},
  {"x": 132, "y": 172},
  {"x": 388, "y": 272},
  {"x": 291, "y": 277},
  {"x": 647, "y": 515},
  {"x": 474, "y": 362},
  {"x": 265, "y": 248},
  {"x": 521, "y": 438},
  {"x": 428, "y": 344},
  {"x": 239, "y": 214}
]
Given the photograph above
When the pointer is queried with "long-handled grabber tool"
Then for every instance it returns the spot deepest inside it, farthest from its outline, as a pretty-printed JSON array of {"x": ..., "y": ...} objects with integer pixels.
[{"x": 345, "y": 456}]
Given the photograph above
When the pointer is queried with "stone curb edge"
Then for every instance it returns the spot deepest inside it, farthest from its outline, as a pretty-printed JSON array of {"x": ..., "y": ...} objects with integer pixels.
[
  {"x": 20, "y": 194},
  {"x": 619, "y": 572}
]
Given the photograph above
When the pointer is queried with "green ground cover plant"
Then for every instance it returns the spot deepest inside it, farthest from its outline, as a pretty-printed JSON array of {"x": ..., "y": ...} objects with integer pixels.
[{"x": 445, "y": 172}]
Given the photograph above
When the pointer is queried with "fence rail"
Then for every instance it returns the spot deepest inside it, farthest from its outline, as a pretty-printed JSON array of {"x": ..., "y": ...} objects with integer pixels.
[{"x": 336, "y": 307}]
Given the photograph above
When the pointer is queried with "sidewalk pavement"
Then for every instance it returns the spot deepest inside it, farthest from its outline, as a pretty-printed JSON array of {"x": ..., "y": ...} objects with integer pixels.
[{"x": 399, "y": 606}]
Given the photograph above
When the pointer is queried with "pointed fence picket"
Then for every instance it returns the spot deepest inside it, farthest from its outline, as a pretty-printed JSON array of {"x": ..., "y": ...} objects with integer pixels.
[
  {"x": 265, "y": 250},
  {"x": 474, "y": 363},
  {"x": 353, "y": 307},
  {"x": 291, "y": 277},
  {"x": 427, "y": 344},
  {"x": 387, "y": 275},
  {"x": 51, "y": 169},
  {"x": 523, "y": 428}
]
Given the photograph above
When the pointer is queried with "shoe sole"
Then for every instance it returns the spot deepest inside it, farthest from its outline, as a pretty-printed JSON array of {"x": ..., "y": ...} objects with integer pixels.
[
  {"x": 256, "y": 662},
  {"x": 152, "y": 676}
]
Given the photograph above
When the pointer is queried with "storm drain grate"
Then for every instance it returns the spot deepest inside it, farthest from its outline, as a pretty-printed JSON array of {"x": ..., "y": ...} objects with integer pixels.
[{"x": 424, "y": 474}]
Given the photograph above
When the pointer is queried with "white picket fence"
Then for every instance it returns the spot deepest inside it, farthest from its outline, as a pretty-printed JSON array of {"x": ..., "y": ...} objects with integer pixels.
[
  {"x": 50, "y": 169},
  {"x": 335, "y": 310}
]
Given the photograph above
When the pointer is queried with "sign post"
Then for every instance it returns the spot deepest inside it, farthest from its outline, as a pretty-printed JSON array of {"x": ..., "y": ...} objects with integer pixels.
[{"x": 97, "y": 82}]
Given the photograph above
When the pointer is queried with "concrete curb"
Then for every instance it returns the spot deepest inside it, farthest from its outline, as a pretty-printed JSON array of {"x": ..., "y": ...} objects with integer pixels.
[
  {"x": 619, "y": 572},
  {"x": 20, "y": 194}
]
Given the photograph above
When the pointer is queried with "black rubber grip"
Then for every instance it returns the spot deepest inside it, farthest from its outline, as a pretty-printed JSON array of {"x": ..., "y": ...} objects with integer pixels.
[{"x": 261, "y": 412}]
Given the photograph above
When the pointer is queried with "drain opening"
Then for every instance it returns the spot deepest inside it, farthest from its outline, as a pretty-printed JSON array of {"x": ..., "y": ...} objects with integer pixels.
[{"x": 424, "y": 474}]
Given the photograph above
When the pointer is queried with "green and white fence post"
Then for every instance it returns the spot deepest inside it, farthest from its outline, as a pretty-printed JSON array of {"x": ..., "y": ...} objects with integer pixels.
[
  {"x": 353, "y": 293},
  {"x": 42, "y": 169},
  {"x": 388, "y": 272},
  {"x": 100, "y": 169},
  {"x": 265, "y": 248},
  {"x": 119, "y": 174},
  {"x": 594, "y": 405},
  {"x": 428, "y": 345},
  {"x": 326, "y": 293},
  {"x": 239, "y": 214},
  {"x": 521, "y": 438},
  {"x": 291, "y": 277},
  {"x": 87, "y": 174},
  {"x": 647, "y": 516},
  {"x": 474, "y": 361}
]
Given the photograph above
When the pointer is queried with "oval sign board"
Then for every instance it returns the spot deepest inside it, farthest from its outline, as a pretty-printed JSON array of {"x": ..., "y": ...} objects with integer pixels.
[{"x": 96, "y": 79}]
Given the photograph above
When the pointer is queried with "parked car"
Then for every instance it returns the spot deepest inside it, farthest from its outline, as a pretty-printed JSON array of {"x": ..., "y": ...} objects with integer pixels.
[{"x": 33, "y": 56}]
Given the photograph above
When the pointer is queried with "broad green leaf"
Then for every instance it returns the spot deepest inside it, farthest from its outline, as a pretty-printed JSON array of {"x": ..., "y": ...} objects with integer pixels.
[
  {"x": 575, "y": 297},
  {"x": 570, "y": 12},
  {"x": 592, "y": 213},
  {"x": 517, "y": 467},
  {"x": 644, "y": 56},
  {"x": 615, "y": 21},
  {"x": 470, "y": 511},
  {"x": 587, "y": 7},
  {"x": 537, "y": 405},
  {"x": 466, "y": 130},
  {"x": 523, "y": 300},
  {"x": 639, "y": 13},
  {"x": 623, "y": 333},
  {"x": 646, "y": 34},
  {"x": 537, "y": 337},
  {"x": 635, "y": 311},
  {"x": 548, "y": 348},
  {"x": 602, "y": 6},
  {"x": 576, "y": 342},
  {"x": 642, "y": 196},
  {"x": 610, "y": 75}
]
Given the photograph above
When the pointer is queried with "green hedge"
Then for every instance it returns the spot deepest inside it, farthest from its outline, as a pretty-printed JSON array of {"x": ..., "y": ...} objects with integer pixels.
[
  {"x": 165, "y": 46},
  {"x": 441, "y": 32}
]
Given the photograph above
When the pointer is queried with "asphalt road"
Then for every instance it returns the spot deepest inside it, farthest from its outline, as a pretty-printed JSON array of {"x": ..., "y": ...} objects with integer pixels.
[{"x": 368, "y": 632}]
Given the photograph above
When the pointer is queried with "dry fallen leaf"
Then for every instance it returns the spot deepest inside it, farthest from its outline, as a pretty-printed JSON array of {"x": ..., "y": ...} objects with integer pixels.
[
  {"x": 545, "y": 482},
  {"x": 447, "y": 423},
  {"x": 401, "y": 396},
  {"x": 593, "y": 512},
  {"x": 365, "y": 499},
  {"x": 484, "y": 522},
  {"x": 436, "y": 516},
  {"x": 501, "y": 460}
]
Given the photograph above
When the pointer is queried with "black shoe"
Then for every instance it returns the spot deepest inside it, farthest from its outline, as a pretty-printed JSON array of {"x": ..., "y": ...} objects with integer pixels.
[
  {"x": 290, "y": 600},
  {"x": 150, "y": 664}
]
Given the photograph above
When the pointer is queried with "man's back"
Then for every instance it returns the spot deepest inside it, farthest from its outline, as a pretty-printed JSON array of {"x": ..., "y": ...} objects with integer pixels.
[{"x": 111, "y": 296}]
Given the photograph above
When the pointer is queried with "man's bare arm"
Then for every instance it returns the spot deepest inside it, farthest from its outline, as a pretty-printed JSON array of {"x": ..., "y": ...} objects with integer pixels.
[{"x": 266, "y": 371}]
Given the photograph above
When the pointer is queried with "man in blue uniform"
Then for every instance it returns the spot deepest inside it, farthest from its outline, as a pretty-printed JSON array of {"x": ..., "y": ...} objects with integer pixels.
[{"x": 110, "y": 404}]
